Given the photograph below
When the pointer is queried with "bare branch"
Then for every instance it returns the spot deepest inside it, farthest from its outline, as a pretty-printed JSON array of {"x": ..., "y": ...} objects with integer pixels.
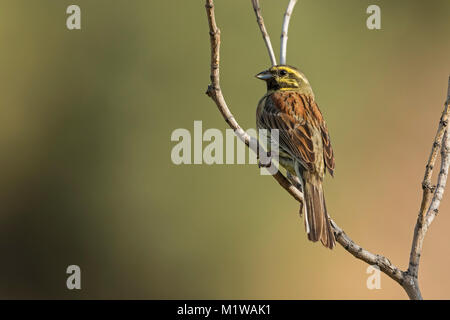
[
  {"x": 373, "y": 259},
  {"x": 443, "y": 173},
  {"x": 428, "y": 211},
  {"x": 284, "y": 30},
  {"x": 262, "y": 27},
  {"x": 407, "y": 279}
]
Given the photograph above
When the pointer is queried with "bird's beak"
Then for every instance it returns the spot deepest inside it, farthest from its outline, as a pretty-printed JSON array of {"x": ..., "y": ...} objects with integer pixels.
[{"x": 265, "y": 75}]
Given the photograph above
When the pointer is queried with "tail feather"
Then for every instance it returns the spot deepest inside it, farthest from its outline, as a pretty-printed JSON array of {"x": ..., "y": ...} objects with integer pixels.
[{"x": 316, "y": 218}]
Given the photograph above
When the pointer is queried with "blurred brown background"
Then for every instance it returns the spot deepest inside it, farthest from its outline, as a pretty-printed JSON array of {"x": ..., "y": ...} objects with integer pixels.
[{"x": 86, "y": 176}]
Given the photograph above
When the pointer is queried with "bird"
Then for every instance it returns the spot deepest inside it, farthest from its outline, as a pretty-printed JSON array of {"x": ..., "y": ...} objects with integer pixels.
[{"x": 305, "y": 149}]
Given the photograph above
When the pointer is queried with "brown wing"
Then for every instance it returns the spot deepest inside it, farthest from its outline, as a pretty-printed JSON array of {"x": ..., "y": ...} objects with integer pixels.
[
  {"x": 286, "y": 112},
  {"x": 298, "y": 118},
  {"x": 328, "y": 154}
]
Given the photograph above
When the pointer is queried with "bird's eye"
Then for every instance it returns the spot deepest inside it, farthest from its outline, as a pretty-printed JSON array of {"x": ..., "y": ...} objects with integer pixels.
[{"x": 283, "y": 73}]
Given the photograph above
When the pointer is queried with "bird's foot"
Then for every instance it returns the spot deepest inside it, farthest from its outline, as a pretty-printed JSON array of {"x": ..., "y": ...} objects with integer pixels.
[
  {"x": 268, "y": 163},
  {"x": 295, "y": 181}
]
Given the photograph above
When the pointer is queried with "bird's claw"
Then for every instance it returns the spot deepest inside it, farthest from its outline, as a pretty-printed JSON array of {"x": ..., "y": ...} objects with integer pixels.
[
  {"x": 264, "y": 165},
  {"x": 269, "y": 161}
]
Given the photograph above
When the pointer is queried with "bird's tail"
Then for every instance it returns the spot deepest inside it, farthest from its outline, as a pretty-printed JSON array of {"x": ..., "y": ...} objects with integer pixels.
[{"x": 317, "y": 222}]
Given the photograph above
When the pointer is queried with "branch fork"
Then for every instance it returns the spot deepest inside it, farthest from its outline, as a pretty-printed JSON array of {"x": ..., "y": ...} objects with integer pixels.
[{"x": 284, "y": 31}]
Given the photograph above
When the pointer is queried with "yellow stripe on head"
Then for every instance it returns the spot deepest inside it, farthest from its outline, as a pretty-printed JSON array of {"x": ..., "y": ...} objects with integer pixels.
[
  {"x": 288, "y": 83},
  {"x": 290, "y": 70},
  {"x": 284, "y": 77}
]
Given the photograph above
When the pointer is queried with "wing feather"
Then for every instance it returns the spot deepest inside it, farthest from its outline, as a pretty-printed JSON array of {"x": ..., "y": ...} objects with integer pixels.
[{"x": 298, "y": 119}]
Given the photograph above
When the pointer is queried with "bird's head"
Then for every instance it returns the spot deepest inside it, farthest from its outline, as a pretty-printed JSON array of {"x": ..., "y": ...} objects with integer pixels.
[{"x": 283, "y": 77}]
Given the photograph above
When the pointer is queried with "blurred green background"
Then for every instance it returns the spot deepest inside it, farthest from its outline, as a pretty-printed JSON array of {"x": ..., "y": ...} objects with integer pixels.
[{"x": 86, "y": 176}]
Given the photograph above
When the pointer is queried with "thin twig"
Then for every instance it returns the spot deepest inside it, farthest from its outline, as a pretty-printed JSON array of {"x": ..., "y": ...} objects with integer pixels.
[
  {"x": 284, "y": 30},
  {"x": 428, "y": 211},
  {"x": 373, "y": 259},
  {"x": 407, "y": 279},
  {"x": 265, "y": 35},
  {"x": 442, "y": 181}
]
